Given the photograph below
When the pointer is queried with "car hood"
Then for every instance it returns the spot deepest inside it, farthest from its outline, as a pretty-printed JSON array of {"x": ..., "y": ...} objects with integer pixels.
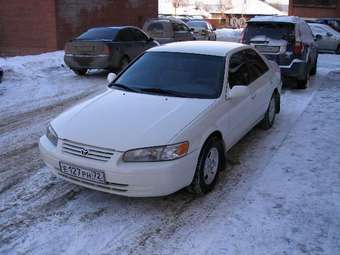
[{"x": 122, "y": 120}]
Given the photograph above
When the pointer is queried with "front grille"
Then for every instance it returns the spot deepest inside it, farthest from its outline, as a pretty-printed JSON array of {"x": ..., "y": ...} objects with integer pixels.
[{"x": 86, "y": 151}]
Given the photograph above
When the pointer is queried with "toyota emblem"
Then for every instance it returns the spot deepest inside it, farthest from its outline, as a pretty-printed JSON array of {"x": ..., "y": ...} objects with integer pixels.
[{"x": 84, "y": 151}]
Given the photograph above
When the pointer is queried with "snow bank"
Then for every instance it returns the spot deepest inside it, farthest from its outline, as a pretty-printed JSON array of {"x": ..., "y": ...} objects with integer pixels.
[{"x": 228, "y": 34}]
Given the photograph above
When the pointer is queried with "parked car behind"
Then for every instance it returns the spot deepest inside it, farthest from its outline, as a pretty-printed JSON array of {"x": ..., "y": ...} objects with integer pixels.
[
  {"x": 286, "y": 40},
  {"x": 106, "y": 48},
  {"x": 328, "y": 39},
  {"x": 166, "y": 120},
  {"x": 332, "y": 22},
  {"x": 202, "y": 29},
  {"x": 229, "y": 34},
  {"x": 166, "y": 30}
]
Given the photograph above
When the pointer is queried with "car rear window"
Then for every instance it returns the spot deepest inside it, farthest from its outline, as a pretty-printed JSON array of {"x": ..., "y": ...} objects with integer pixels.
[
  {"x": 189, "y": 75},
  {"x": 99, "y": 34},
  {"x": 197, "y": 24},
  {"x": 272, "y": 30}
]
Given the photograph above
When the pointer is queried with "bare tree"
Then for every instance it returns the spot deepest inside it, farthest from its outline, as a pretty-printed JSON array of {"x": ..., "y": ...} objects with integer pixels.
[
  {"x": 178, "y": 3},
  {"x": 226, "y": 4}
]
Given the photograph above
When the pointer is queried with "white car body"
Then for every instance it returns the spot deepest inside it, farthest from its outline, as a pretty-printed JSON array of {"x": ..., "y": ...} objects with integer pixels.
[{"x": 117, "y": 121}]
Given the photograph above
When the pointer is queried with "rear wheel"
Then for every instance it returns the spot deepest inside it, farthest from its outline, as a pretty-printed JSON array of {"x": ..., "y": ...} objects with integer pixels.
[
  {"x": 80, "y": 72},
  {"x": 209, "y": 164},
  {"x": 303, "y": 84},
  {"x": 313, "y": 70}
]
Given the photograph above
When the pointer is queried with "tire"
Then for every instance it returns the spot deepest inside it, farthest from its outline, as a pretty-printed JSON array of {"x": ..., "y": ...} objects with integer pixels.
[
  {"x": 273, "y": 108},
  {"x": 209, "y": 164},
  {"x": 313, "y": 70},
  {"x": 124, "y": 62},
  {"x": 303, "y": 84},
  {"x": 80, "y": 72}
]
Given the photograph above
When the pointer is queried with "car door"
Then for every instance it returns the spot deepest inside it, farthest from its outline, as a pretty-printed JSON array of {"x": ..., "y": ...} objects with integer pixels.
[
  {"x": 235, "y": 118},
  {"x": 261, "y": 84},
  {"x": 126, "y": 43},
  {"x": 323, "y": 43}
]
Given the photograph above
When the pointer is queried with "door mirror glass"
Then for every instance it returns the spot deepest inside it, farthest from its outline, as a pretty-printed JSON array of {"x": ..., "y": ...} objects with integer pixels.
[
  {"x": 239, "y": 91},
  {"x": 329, "y": 34},
  {"x": 111, "y": 77}
]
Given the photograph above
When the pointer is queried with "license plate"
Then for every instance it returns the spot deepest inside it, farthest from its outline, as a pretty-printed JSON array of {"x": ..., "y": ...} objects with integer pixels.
[
  {"x": 91, "y": 175},
  {"x": 269, "y": 49}
]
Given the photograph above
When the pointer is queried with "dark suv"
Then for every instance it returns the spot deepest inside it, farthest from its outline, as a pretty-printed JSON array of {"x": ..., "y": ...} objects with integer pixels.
[{"x": 286, "y": 40}]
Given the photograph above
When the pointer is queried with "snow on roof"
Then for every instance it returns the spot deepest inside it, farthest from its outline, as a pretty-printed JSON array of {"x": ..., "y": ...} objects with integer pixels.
[
  {"x": 253, "y": 7},
  {"x": 166, "y": 8},
  {"x": 288, "y": 19},
  {"x": 215, "y": 48}
]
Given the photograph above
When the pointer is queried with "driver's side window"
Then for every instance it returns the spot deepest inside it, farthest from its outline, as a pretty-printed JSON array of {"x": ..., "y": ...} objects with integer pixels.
[{"x": 238, "y": 73}]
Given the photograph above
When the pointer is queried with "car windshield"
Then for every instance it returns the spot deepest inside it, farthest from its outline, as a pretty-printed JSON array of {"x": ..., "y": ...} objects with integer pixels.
[
  {"x": 273, "y": 30},
  {"x": 99, "y": 34},
  {"x": 175, "y": 74},
  {"x": 197, "y": 24}
]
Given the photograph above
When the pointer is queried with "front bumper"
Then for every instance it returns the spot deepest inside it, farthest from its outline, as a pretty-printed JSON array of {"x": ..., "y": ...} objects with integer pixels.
[
  {"x": 90, "y": 62},
  {"x": 297, "y": 69},
  {"x": 128, "y": 179}
]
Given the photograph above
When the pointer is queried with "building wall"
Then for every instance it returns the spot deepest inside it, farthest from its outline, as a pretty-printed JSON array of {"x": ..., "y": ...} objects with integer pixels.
[
  {"x": 27, "y": 26},
  {"x": 36, "y": 26},
  {"x": 314, "y": 11},
  {"x": 76, "y": 16}
]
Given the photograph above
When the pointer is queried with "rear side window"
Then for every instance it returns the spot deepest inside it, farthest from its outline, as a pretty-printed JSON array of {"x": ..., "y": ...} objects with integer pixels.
[
  {"x": 126, "y": 35},
  {"x": 178, "y": 27},
  {"x": 156, "y": 29},
  {"x": 139, "y": 36},
  {"x": 238, "y": 70},
  {"x": 274, "y": 30},
  {"x": 257, "y": 67},
  {"x": 99, "y": 34}
]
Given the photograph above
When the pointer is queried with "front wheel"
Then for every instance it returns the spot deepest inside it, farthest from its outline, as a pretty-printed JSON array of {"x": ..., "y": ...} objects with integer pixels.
[
  {"x": 269, "y": 117},
  {"x": 313, "y": 70},
  {"x": 338, "y": 50},
  {"x": 209, "y": 164}
]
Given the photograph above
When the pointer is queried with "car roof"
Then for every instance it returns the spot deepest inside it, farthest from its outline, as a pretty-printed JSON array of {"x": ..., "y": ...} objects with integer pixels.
[
  {"x": 283, "y": 19},
  {"x": 114, "y": 27},
  {"x": 212, "y": 48}
]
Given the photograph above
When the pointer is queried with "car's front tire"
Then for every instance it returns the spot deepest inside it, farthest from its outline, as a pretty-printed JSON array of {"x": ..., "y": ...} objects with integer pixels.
[
  {"x": 269, "y": 117},
  {"x": 338, "y": 50},
  {"x": 209, "y": 164}
]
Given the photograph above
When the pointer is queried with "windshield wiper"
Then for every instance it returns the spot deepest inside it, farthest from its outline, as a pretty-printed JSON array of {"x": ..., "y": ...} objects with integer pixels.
[
  {"x": 162, "y": 91},
  {"x": 121, "y": 86}
]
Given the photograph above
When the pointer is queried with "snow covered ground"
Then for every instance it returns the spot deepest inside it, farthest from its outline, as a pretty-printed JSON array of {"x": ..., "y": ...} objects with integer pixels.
[{"x": 279, "y": 194}]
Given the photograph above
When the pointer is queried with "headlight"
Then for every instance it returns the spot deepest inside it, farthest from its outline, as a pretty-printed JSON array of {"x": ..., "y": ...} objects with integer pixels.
[
  {"x": 52, "y": 135},
  {"x": 159, "y": 153}
]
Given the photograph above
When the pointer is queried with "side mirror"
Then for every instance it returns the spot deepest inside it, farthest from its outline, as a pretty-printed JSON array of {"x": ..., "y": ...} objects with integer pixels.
[
  {"x": 238, "y": 91},
  {"x": 318, "y": 37},
  {"x": 111, "y": 77},
  {"x": 329, "y": 34},
  {"x": 192, "y": 29},
  {"x": 214, "y": 29}
]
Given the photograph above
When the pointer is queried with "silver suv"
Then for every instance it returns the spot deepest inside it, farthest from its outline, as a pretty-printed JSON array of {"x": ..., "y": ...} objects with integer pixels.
[{"x": 166, "y": 30}]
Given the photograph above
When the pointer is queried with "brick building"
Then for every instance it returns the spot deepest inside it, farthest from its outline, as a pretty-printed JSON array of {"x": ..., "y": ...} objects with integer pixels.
[
  {"x": 35, "y": 26},
  {"x": 315, "y": 8}
]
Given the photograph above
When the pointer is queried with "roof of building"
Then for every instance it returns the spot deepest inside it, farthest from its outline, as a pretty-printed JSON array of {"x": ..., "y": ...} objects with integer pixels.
[
  {"x": 199, "y": 47},
  {"x": 273, "y": 18}
]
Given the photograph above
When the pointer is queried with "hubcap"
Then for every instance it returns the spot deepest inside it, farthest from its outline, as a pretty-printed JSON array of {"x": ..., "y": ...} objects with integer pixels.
[{"x": 211, "y": 165}]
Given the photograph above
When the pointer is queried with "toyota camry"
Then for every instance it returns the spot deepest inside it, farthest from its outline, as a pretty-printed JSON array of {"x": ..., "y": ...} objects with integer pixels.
[{"x": 166, "y": 121}]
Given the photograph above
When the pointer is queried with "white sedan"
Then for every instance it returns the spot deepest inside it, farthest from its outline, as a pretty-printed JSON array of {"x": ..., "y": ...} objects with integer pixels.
[{"x": 166, "y": 121}]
